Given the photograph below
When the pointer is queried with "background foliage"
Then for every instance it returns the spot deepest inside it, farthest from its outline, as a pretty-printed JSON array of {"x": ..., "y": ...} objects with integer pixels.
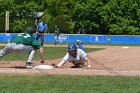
[{"x": 120, "y": 17}]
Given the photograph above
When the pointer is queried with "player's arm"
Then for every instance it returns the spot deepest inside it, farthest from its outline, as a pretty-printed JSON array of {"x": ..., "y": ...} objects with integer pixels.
[
  {"x": 88, "y": 62},
  {"x": 85, "y": 56},
  {"x": 61, "y": 63}
]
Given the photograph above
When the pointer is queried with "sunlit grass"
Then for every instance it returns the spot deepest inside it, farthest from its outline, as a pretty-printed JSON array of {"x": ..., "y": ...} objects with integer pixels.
[
  {"x": 68, "y": 84},
  {"x": 49, "y": 53}
]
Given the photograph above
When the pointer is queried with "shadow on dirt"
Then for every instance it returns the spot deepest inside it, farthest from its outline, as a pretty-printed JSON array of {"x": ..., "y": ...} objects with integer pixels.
[{"x": 18, "y": 67}]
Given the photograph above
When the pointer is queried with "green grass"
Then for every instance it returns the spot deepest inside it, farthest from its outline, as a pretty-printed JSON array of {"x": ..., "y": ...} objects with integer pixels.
[
  {"x": 49, "y": 53},
  {"x": 68, "y": 84},
  {"x": 64, "y": 83}
]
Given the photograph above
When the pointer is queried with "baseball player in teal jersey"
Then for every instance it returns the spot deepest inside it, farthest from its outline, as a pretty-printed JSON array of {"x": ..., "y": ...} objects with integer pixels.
[
  {"x": 57, "y": 34},
  {"x": 76, "y": 56},
  {"x": 24, "y": 43}
]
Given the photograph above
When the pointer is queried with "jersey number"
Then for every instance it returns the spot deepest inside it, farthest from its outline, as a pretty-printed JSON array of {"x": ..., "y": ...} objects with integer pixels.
[{"x": 24, "y": 35}]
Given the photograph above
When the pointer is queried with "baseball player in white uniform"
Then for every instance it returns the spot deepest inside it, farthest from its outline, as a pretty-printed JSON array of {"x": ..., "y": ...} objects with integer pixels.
[{"x": 76, "y": 56}]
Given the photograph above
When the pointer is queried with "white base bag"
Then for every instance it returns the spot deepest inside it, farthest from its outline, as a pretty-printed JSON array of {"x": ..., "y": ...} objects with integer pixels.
[{"x": 44, "y": 67}]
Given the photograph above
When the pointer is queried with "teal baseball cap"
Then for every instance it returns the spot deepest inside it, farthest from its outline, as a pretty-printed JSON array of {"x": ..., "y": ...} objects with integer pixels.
[{"x": 29, "y": 30}]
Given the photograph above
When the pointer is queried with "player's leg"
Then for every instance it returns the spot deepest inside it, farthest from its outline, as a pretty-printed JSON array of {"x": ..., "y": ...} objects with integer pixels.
[
  {"x": 30, "y": 59},
  {"x": 2, "y": 52},
  {"x": 79, "y": 63},
  {"x": 42, "y": 39},
  {"x": 76, "y": 64},
  {"x": 37, "y": 37},
  {"x": 5, "y": 50},
  {"x": 31, "y": 51},
  {"x": 20, "y": 48},
  {"x": 55, "y": 38},
  {"x": 60, "y": 39}
]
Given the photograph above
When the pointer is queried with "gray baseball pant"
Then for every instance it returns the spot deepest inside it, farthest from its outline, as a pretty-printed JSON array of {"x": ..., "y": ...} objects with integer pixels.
[{"x": 18, "y": 48}]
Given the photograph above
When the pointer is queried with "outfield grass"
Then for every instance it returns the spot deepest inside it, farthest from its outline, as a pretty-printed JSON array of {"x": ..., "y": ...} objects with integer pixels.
[
  {"x": 68, "y": 84},
  {"x": 50, "y": 53}
]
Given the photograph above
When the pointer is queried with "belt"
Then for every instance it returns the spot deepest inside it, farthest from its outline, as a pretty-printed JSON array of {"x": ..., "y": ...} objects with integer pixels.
[
  {"x": 40, "y": 32},
  {"x": 17, "y": 43}
]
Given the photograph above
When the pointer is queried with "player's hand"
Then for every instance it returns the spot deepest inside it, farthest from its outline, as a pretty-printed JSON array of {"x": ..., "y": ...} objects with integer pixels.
[
  {"x": 42, "y": 61},
  {"x": 89, "y": 66}
]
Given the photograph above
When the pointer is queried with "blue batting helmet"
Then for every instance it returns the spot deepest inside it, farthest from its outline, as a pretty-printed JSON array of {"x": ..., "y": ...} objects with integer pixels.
[{"x": 72, "y": 47}]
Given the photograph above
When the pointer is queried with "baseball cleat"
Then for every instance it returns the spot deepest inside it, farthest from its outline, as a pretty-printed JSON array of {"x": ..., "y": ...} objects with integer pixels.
[{"x": 29, "y": 65}]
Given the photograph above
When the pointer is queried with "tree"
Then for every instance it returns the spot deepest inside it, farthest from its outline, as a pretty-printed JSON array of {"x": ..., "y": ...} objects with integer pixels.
[
  {"x": 124, "y": 17},
  {"x": 87, "y": 16},
  {"x": 103, "y": 17},
  {"x": 92, "y": 16},
  {"x": 59, "y": 13}
]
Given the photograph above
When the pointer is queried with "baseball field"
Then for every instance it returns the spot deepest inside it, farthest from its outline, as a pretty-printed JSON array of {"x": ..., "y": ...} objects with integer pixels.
[{"x": 115, "y": 69}]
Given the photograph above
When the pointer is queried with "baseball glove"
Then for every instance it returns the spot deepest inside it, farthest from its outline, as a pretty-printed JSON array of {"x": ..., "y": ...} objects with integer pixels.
[{"x": 54, "y": 65}]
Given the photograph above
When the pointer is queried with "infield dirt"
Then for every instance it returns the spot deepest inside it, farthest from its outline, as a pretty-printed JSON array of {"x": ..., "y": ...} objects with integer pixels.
[{"x": 113, "y": 60}]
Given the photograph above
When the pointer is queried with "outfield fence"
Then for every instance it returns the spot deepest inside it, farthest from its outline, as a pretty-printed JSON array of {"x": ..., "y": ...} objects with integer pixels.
[{"x": 93, "y": 39}]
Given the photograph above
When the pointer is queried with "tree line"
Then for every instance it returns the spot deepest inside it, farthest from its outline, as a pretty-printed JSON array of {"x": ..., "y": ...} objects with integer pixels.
[{"x": 115, "y": 17}]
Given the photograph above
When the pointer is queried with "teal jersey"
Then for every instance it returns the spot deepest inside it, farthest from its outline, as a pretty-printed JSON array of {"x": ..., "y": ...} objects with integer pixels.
[
  {"x": 26, "y": 39},
  {"x": 57, "y": 31}
]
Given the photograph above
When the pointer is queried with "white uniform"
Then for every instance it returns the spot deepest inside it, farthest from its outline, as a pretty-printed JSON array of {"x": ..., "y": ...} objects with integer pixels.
[{"x": 80, "y": 57}]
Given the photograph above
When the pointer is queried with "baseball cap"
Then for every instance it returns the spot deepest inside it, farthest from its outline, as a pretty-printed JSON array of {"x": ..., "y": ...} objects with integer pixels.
[{"x": 29, "y": 30}]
